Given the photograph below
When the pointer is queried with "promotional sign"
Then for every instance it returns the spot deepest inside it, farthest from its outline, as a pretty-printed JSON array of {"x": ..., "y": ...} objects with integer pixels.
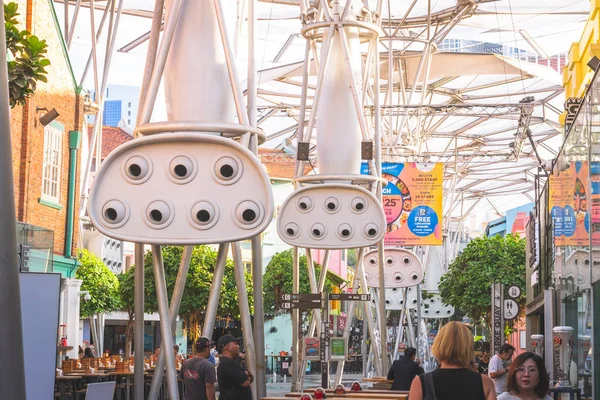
[
  {"x": 573, "y": 210},
  {"x": 311, "y": 348},
  {"x": 412, "y": 202},
  {"x": 338, "y": 349}
]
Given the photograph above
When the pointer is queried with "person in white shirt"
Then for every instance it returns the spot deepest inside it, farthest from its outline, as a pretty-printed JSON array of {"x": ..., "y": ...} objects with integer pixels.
[
  {"x": 497, "y": 368},
  {"x": 527, "y": 379}
]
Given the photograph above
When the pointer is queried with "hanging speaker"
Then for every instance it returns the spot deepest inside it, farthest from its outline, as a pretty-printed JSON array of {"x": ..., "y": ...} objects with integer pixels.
[
  {"x": 181, "y": 189},
  {"x": 402, "y": 268}
]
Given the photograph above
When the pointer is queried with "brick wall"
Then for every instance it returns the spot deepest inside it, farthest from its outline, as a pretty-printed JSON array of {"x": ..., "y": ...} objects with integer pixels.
[{"x": 28, "y": 133}]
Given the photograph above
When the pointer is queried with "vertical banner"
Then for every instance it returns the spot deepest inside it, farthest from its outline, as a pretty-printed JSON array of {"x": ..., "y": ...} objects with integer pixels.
[
  {"x": 412, "y": 201},
  {"x": 497, "y": 317},
  {"x": 570, "y": 204}
]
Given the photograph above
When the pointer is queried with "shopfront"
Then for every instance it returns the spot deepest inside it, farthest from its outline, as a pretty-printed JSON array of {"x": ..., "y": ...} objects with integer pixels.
[{"x": 564, "y": 251}]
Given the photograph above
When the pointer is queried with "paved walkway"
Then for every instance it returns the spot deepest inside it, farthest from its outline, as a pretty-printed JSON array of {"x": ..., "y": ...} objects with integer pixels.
[{"x": 279, "y": 386}]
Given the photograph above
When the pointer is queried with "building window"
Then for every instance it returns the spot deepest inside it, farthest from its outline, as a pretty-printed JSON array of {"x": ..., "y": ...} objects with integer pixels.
[
  {"x": 129, "y": 104},
  {"x": 128, "y": 122},
  {"x": 248, "y": 267},
  {"x": 129, "y": 113},
  {"x": 112, "y": 113},
  {"x": 52, "y": 164}
]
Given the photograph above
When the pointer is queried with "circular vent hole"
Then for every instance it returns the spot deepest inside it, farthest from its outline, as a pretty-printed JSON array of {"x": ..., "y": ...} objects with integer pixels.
[
  {"x": 249, "y": 215},
  {"x": 181, "y": 170},
  {"x": 227, "y": 171},
  {"x": 111, "y": 214},
  {"x": 345, "y": 232},
  {"x": 156, "y": 215},
  {"x": 372, "y": 232},
  {"x": 316, "y": 232},
  {"x": 135, "y": 170},
  {"x": 203, "y": 216}
]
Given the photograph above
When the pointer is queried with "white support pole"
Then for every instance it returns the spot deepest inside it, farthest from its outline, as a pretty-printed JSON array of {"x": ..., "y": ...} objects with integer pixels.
[
  {"x": 339, "y": 373},
  {"x": 138, "y": 379},
  {"x": 182, "y": 273},
  {"x": 215, "y": 289},
  {"x": 238, "y": 96},
  {"x": 244, "y": 310},
  {"x": 161, "y": 59},
  {"x": 295, "y": 318},
  {"x": 165, "y": 324},
  {"x": 370, "y": 324}
]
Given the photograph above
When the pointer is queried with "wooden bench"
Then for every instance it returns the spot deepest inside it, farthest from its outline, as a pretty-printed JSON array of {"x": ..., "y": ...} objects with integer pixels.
[{"x": 392, "y": 395}]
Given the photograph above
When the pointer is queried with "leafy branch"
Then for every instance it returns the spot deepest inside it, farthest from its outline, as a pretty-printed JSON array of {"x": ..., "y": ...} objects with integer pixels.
[{"x": 26, "y": 53}]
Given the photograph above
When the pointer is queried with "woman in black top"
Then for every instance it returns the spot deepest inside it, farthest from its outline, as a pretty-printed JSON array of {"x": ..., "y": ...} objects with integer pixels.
[{"x": 453, "y": 349}]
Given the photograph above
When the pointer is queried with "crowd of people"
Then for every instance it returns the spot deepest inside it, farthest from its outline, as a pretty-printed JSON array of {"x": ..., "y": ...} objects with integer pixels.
[
  {"x": 460, "y": 376},
  {"x": 199, "y": 376}
]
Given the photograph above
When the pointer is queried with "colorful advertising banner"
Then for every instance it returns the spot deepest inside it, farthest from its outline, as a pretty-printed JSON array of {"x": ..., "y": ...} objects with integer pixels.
[
  {"x": 570, "y": 205},
  {"x": 412, "y": 201}
]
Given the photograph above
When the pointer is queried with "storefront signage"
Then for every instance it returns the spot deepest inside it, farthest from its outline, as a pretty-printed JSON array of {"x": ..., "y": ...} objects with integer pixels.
[
  {"x": 412, "y": 201},
  {"x": 571, "y": 107},
  {"x": 497, "y": 317}
]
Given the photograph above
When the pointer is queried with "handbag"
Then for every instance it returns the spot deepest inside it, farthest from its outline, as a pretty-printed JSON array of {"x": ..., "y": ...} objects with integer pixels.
[{"x": 429, "y": 388}]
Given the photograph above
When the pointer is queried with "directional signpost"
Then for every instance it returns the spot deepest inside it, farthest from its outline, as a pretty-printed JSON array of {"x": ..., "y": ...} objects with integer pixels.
[
  {"x": 310, "y": 301},
  {"x": 301, "y": 301}
]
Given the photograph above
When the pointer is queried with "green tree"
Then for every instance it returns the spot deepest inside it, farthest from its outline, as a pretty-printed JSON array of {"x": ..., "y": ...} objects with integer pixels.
[
  {"x": 351, "y": 257},
  {"x": 484, "y": 261},
  {"x": 277, "y": 279},
  {"x": 197, "y": 286},
  {"x": 126, "y": 294},
  {"x": 27, "y": 58},
  {"x": 103, "y": 287},
  {"x": 102, "y": 284}
]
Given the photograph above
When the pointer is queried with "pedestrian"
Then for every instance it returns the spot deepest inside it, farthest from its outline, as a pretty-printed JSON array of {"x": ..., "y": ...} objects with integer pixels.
[
  {"x": 176, "y": 353},
  {"x": 198, "y": 373},
  {"x": 88, "y": 353},
  {"x": 453, "y": 349},
  {"x": 483, "y": 363},
  {"x": 234, "y": 381},
  {"x": 498, "y": 367},
  {"x": 527, "y": 379},
  {"x": 404, "y": 370}
]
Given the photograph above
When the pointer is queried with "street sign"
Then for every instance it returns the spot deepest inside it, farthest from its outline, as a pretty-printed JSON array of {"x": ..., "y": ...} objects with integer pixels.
[
  {"x": 301, "y": 305},
  {"x": 301, "y": 296},
  {"x": 514, "y": 292},
  {"x": 497, "y": 320},
  {"x": 349, "y": 296},
  {"x": 511, "y": 309}
]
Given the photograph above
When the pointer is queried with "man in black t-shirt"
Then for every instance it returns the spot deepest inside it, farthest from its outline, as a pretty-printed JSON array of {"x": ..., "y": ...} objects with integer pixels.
[
  {"x": 404, "y": 370},
  {"x": 198, "y": 373},
  {"x": 234, "y": 381}
]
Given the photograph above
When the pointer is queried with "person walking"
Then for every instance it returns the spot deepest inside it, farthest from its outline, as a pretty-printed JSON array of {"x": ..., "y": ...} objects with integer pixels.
[
  {"x": 234, "y": 381},
  {"x": 483, "y": 363},
  {"x": 453, "y": 349},
  {"x": 527, "y": 379},
  {"x": 498, "y": 367},
  {"x": 404, "y": 370},
  {"x": 198, "y": 373}
]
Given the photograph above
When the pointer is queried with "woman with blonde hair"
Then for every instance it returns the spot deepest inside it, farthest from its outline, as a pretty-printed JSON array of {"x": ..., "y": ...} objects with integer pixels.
[{"x": 453, "y": 349}]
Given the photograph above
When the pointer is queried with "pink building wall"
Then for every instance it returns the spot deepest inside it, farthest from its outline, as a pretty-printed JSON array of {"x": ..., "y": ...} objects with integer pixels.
[{"x": 337, "y": 261}]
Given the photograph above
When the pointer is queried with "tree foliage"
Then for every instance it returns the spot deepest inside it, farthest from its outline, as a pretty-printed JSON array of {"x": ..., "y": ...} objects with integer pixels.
[
  {"x": 102, "y": 284},
  {"x": 484, "y": 261},
  {"x": 278, "y": 279},
  {"x": 197, "y": 286},
  {"x": 28, "y": 60}
]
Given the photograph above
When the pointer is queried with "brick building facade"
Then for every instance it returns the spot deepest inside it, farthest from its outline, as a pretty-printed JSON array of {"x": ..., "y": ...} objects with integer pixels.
[{"x": 43, "y": 155}]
